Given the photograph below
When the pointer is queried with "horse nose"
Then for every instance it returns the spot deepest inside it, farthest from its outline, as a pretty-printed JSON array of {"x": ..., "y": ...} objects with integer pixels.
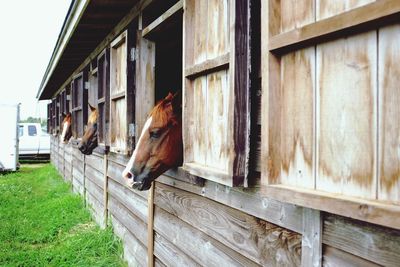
[
  {"x": 128, "y": 178},
  {"x": 126, "y": 174},
  {"x": 82, "y": 147}
]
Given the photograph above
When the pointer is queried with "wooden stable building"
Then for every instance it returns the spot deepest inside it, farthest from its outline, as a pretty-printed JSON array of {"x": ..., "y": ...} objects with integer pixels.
[{"x": 291, "y": 127}]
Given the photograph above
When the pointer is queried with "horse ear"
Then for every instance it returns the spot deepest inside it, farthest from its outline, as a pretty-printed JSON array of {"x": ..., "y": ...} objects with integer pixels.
[
  {"x": 92, "y": 109},
  {"x": 64, "y": 114},
  {"x": 169, "y": 97}
]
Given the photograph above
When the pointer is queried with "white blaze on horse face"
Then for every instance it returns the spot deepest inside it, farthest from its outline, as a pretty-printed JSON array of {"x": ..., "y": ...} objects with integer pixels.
[
  {"x": 64, "y": 132},
  {"x": 129, "y": 166}
]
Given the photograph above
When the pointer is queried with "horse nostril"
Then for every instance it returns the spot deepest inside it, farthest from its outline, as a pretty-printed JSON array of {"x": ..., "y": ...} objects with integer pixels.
[
  {"x": 81, "y": 147},
  {"x": 129, "y": 175}
]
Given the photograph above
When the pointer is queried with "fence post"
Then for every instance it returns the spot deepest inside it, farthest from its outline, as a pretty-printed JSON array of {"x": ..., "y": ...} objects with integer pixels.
[
  {"x": 84, "y": 180},
  {"x": 105, "y": 190},
  {"x": 311, "y": 243},
  {"x": 150, "y": 223}
]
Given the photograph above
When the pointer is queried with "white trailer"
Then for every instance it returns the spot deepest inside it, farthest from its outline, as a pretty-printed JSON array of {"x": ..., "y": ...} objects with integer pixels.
[{"x": 9, "y": 138}]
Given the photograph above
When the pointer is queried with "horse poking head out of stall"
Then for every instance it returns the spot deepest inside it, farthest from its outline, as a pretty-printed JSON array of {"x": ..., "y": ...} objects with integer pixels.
[
  {"x": 66, "y": 128},
  {"x": 89, "y": 138},
  {"x": 159, "y": 147}
]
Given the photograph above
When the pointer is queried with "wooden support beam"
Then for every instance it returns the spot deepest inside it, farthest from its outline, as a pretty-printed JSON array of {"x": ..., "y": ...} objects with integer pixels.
[
  {"x": 208, "y": 66},
  {"x": 84, "y": 180},
  {"x": 161, "y": 19},
  {"x": 311, "y": 243},
  {"x": 150, "y": 225},
  {"x": 359, "y": 19},
  {"x": 105, "y": 189}
]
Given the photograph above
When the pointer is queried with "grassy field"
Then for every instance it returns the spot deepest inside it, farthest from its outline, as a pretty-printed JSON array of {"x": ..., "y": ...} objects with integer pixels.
[{"x": 43, "y": 224}]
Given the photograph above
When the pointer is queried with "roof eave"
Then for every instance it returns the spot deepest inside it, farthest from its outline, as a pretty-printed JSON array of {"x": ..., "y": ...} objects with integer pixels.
[{"x": 74, "y": 15}]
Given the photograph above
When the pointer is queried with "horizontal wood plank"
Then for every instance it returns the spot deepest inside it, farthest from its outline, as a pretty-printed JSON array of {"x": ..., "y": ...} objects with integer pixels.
[
  {"x": 95, "y": 162},
  {"x": 208, "y": 66},
  {"x": 370, "y": 211},
  {"x": 135, "y": 252},
  {"x": 210, "y": 173},
  {"x": 250, "y": 201},
  {"x": 208, "y": 252},
  {"x": 336, "y": 257},
  {"x": 134, "y": 203},
  {"x": 94, "y": 190},
  {"x": 368, "y": 241},
  {"x": 95, "y": 176},
  {"x": 362, "y": 18},
  {"x": 252, "y": 237},
  {"x": 130, "y": 221},
  {"x": 96, "y": 209},
  {"x": 163, "y": 249},
  {"x": 114, "y": 172},
  {"x": 169, "y": 254}
]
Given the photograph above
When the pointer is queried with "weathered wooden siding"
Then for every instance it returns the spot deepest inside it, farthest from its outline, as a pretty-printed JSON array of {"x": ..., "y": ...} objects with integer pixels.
[
  {"x": 328, "y": 127},
  {"x": 184, "y": 220},
  {"x": 389, "y": 112},
  {"x": 118, "y": 91},
  {"x": 225, "y": 226},
  {"x": 208, "y": 97},
  {"x": 330, "y": 106}
]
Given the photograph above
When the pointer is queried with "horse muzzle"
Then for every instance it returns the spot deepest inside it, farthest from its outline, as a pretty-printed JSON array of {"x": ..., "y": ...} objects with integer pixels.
[{"x": 140, "y": 182}]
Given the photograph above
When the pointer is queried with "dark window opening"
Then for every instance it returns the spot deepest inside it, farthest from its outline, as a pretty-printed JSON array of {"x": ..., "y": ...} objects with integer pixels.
[
  {"x": 168, "y": 61},
  {"x": 155, "y": 9}
]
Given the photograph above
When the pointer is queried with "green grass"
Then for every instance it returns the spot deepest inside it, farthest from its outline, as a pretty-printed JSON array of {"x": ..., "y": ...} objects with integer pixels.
[{"x": 43, "y": 224}]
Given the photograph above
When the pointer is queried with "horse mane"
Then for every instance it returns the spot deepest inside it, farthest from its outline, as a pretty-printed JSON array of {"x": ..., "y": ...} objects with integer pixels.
[
  {"x": 160, "y": 115},
  {"x": 67, "y": 117},
  {"x": 93, "y": 116}
]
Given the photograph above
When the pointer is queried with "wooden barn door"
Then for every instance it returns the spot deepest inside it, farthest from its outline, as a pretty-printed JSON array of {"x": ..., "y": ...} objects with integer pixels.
[
  {"x": 122, "y": 91},
  {"x": 216, "y": 105},
  {"x": 145, "y": 80}
]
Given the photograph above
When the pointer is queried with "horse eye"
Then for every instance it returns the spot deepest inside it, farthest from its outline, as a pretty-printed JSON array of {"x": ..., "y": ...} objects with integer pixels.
[{"x": 155, "y": 133}]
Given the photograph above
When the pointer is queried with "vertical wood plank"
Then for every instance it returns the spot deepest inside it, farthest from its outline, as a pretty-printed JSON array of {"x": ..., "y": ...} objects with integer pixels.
[
  {"x": 239, "y": 71},
  {"x": 328, "y": 8},
  {"x": 347, "y": 115},
  {"x": 118, "y": 86},
  {"x": 389, "y": 114},
  {"x": 200, "y": 34},
  {"x": 270, "y": 110},
  {"x": 150, "y": 226},
  {"x": 296, "y": 14},
  {"x": 198, "y": 124},
  {"x": 105, "y": 189},
  {"x": 217, "y": 118},
  {"x": 217, "y": 28},
  {"x": 297, "y": 119},
  {"x": 196, "y": 90},
  {"x": 311, "y": 243},
  {"x": 145, "y": 81},
  {"x": 187, "y": 85},
  {"x": 297, "y": 101}
]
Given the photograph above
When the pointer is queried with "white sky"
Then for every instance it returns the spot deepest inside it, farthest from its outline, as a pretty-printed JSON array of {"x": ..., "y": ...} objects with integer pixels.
[{"x": 29, "y": 31}]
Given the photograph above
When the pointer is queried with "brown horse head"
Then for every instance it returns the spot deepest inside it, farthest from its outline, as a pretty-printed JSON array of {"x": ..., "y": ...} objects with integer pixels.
[
  {"x": 66, "y": 128},
  {"x": 159, "y": 147},
  {"x": 89, "y": 139}
]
